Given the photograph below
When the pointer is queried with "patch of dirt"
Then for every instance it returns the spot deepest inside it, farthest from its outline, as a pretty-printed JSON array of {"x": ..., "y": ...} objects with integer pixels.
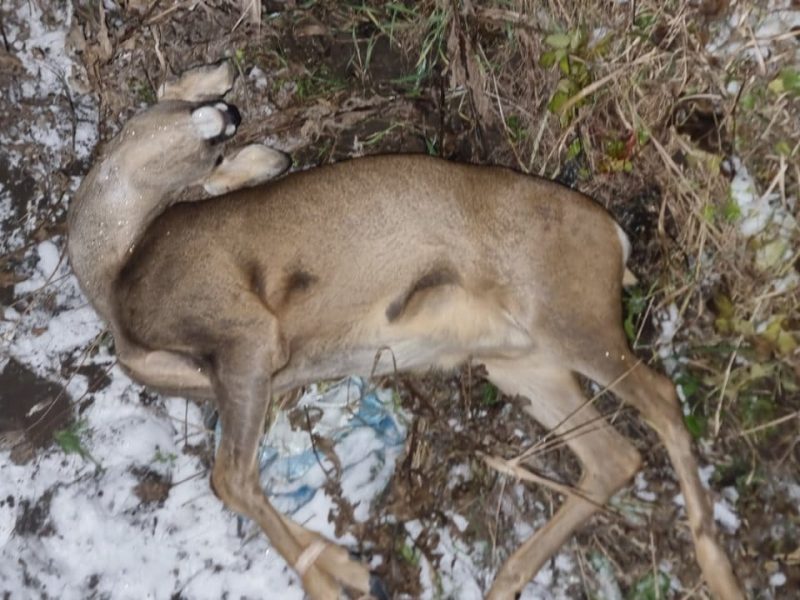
[
  {"x": 153, "y": 487},
  {"x": 97, "y": 377},
  {"x": 34, "y": 518},
  {"x": 31, "y": 410}
]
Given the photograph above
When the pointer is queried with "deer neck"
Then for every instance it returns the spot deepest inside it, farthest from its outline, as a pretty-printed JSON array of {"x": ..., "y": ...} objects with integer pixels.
[{"x": 106, "y": 219}]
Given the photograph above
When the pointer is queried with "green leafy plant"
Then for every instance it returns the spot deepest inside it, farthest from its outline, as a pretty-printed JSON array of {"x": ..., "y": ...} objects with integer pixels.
[
  {"x": 653, "y": 586},
  {"x": 408, "y": 553},
  {"x": 635, "y": 302},
  {"x": 568, "y": 52},
  {"x": 143, "y": 90},
  {"x": 643, "y": 24},
  {"x": 432, "y": 146},
  {"x": 787, "y": 81},
  {"x": 731, "y": 211},
  {"x": 489, "y": 394},
  {"x": 696, "y": 424},
  {"x": 755, "y": 409},
  {"x": 689, "y": 385},
  {"x": 574, "y": 149},
  {"x": 515, "y": 128},
  {"x": 71, "y": 440},
  {"x": 318, "y": 82},
  {"x": 618, "y": 154},
  {"x": 166, "y": 458},
  {"x": 239, "y": 58}
]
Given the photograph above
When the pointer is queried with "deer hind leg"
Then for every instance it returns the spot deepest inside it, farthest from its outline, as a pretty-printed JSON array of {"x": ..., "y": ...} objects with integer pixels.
[
  {"x": 609, "y": 363},
  {"x": 241, "y": 375},
  {"x": 335, "y": 560},
  {"x": 608, "y": 460}
]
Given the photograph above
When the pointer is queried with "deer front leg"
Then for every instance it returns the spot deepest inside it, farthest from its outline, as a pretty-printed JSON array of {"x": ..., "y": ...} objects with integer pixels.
[
  {"x": 608, "y": 461},
  {"x": 336, "y": 560},
  {"x": 241, "y": 376}
]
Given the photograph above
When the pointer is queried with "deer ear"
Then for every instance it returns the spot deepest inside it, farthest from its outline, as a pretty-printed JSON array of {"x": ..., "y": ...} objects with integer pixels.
[
  {"x": 200, "y": 84},
  {"x": 250, "y": 166}
]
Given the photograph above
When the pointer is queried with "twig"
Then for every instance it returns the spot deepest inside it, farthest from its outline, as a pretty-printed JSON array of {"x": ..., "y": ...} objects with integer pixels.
[
  {"x": 3, "y": 35},
  {"x": 721, "y": 401},
  {"x": 535, "y": 448},
  {"x": 596, "y": 85},
  {"x": 510, "y": 468},
  {"x": 773, "y": 423},
  {"x": 314, "y": 445}
]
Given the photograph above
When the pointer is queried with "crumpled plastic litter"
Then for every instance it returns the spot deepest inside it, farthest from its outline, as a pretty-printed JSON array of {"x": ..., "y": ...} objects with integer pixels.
[{"x": 368, "y": 433}]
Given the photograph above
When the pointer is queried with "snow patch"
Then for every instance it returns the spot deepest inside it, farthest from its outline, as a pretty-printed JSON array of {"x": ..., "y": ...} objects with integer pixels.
[
  {"x": 751, "y": 32},
  {"x": 724, "y": 513},
  {"x": 770, "y": 224},
  {"x": 777, "y": 579}
]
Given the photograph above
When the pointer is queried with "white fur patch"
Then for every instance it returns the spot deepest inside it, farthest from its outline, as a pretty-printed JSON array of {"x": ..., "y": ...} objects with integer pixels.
[
  {"x": 209, "y": 121},
  {"x": 625, "y": 243},
  {"x": 628, "y": 278}
]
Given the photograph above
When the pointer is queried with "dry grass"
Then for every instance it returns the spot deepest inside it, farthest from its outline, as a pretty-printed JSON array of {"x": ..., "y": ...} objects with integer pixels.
[{"x": 623, "y": 101}]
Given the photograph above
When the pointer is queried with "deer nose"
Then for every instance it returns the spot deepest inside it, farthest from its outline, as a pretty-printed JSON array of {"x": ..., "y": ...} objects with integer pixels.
[
  {"x": 232, "y": 116},
  {"x": 217, "y": 121}
]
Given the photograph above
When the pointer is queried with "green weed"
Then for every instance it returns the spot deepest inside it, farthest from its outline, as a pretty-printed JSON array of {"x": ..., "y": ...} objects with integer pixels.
[
  {"x": 568, "y": 52},
  {"x": 653, "y": 586},
  {"x": 634, "y": 303},
  {"x": 489, "y": 394},
  {"x": 71, "y": 440},
  {"x": 319, "y": 82},
  {"x": 143, "y": 91},
  {"x": 408, "y": 553}
]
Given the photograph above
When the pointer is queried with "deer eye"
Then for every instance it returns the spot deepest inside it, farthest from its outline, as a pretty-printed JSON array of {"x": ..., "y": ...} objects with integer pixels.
[{"x": 218, "y": 162}]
